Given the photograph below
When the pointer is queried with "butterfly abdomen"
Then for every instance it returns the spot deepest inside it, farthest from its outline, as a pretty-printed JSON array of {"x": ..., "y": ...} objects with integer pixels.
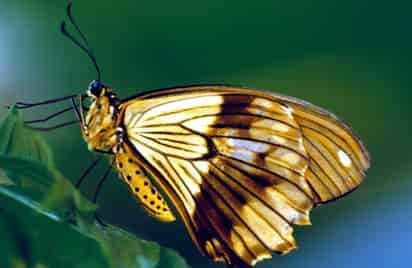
[{"x": 141, "y": 186}]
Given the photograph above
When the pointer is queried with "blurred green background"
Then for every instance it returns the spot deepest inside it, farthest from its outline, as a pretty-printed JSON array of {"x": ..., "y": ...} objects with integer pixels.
[{"x": 353, "y": 58}]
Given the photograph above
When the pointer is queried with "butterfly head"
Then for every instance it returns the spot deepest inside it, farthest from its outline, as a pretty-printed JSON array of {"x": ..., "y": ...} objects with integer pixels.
[
  {"x": 98, "y": 90},
  {"x": 95, "y": 88}
]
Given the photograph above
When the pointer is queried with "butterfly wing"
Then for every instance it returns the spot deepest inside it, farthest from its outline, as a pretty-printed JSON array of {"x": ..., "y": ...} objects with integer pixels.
[{"x": 242, "y": 166}]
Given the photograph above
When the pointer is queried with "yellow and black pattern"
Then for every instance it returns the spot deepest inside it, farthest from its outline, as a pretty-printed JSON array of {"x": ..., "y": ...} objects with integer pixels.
[
  {"x": 141, "y": 186},
  {"x": 241, "y": 166}
]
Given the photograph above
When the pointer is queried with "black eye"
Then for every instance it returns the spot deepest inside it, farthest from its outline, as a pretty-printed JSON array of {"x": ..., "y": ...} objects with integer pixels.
[{"x": 95, "y": 87}]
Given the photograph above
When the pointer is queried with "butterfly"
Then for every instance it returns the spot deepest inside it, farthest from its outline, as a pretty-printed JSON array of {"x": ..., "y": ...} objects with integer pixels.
[{"x": 240, "y": 166}]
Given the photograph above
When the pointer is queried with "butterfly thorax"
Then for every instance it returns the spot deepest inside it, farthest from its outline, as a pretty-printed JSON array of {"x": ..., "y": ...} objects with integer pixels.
[{"x": 101, "y": 129}]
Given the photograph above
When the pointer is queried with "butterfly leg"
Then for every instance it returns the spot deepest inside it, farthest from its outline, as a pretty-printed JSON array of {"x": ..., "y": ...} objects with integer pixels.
[
  {"x": 70, "y": 215},
  {"x": 96, "y": 193},
  {"x": 22, "y": 106},
  {"x": 86, "y": 172}
]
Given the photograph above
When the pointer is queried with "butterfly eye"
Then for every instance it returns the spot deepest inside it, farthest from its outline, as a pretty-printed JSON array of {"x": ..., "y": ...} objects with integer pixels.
[{"x": 95, "y": 87}]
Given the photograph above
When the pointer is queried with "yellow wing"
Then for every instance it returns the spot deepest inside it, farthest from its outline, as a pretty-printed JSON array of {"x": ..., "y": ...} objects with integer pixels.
[{"x": 241, "y": 166}]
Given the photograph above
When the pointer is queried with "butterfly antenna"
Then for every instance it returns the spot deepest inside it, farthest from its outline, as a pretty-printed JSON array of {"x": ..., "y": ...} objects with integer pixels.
[
  {"x": 73, "y": 21},
  {"x": 85, "y": 47}
]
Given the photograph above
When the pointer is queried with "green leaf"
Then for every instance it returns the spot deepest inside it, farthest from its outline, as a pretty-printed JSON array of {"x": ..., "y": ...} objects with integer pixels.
[
  {"x": 4, "y": 180},
  {"x": 18, "y": 141},
  {"x": 170, "y": 259},
  {"x": 37, "y": 200},
  {"x": 39, "y": 182},
  {"x": 124, "y": 250},
  {"x": 37, "y": 236}
]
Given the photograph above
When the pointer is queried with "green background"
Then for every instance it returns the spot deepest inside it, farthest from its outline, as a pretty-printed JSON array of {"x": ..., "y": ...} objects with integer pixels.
[{"x": 353, "y": 58}]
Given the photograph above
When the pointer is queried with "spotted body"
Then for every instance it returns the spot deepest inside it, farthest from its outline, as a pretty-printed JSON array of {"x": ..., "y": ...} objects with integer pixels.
[
  {"x": 240, "y": 166},
  {"x": 141, "y": 185}
]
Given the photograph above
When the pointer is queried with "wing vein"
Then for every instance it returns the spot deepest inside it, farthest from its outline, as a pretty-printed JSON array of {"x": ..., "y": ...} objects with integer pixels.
[
  {"x": 301, "y": 118},
  {"x": 256, "y": 196},
  {"x": 234, "y": 213},
  {"x": 243, "y": 114},
  {"x": 210, "y": 201},
  {"x": 343, "y": 169},
  {"x": 324, "y": 171},
  {"x": 321, "y": 181},
  {"x": 269, "y": 171},
  {"x": 351, "y": 155},
  {"x": 265, "y": 142},
  {"x": 287, "y": 199}
]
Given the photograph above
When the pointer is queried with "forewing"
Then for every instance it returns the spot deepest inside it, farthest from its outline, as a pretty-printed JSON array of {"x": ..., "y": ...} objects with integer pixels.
[{"x": 237, "y": 164}]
